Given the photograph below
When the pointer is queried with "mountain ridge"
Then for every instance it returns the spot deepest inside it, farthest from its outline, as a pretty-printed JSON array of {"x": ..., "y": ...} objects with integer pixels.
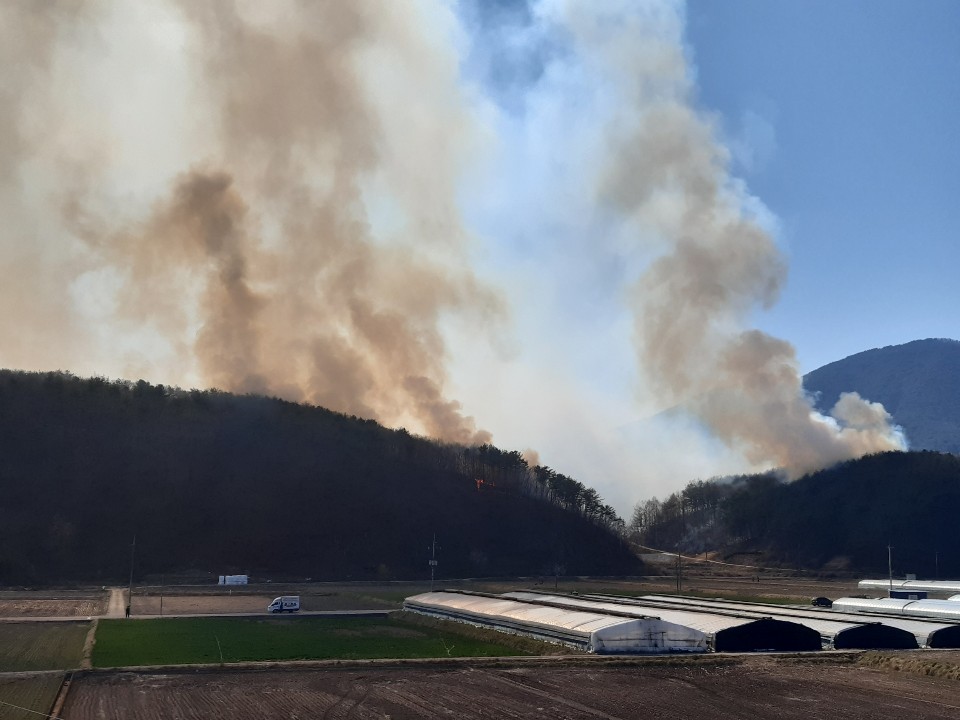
[
  {"x": 918, "y": 383},
  {"x": 225, "y": 483}
]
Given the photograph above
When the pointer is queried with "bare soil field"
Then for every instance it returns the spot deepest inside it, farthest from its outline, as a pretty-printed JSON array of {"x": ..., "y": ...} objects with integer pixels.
[
  {"x": 214, "y": 599},
  {"x": 255, "y": 598},
  {"x": 755, "y": 687},
  {"x": 186, "y": 600},
  {"x": 771, "y": 588},
  {"x": 53, "y": 603}
]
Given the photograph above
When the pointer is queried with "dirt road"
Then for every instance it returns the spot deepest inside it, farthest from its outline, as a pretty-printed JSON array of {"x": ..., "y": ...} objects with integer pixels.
[{"x": 118, "y": 603}]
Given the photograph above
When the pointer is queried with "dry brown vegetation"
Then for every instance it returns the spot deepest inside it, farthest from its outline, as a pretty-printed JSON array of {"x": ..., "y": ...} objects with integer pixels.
[
  {"x": 52, "y": 603},
  {"x": 942, "y": 664}
]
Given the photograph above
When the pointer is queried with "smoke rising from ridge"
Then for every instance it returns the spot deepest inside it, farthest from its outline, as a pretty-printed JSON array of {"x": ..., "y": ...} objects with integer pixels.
[
  {"x": 309, "y": 244},
  {"x": 284, "y": 198},
  {"x": 667, "y": 175}
]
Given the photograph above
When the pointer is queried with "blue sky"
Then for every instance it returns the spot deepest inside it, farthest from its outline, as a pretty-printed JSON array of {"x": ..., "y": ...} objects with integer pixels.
[{"x": 857, "y": 108}]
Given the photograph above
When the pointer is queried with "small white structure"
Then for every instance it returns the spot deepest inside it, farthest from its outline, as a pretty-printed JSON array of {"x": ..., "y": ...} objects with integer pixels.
[
  {"x": 234, "y": 580},
  {"x": 593, "y": 631}
]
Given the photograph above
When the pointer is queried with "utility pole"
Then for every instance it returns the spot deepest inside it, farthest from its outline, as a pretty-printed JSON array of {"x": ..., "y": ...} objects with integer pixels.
[
  {"x": 133, "y": 550},
  {"x": 936, "y": 564},
  {"x": 679, "y": 570},
  {"x": 890, "y": 567},
  {"x": 433, "y": 559}
]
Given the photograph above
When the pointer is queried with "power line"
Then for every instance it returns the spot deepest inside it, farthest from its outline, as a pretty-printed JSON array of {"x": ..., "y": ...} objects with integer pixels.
[
  {"x": 35, "y": 712},
  {"x": 694, "y": 558}
]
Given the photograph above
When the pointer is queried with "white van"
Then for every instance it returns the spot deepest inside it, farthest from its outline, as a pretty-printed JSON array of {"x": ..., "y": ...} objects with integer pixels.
[{"x": 284, "y": 603}]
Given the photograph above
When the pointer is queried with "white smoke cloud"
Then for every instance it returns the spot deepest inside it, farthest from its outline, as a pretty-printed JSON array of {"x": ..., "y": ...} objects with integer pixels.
[{"x": 635, "y": 209}]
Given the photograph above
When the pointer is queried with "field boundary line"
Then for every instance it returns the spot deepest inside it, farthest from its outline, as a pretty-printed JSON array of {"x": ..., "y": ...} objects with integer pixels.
[
  {"x": 512, "y": 661},
  {"x": 61, "y": 697},
  {"x": 86, "y": 659}
]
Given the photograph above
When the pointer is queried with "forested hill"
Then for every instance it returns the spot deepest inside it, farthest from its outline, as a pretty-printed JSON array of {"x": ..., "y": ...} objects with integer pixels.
[
  {"x": 918, "y": 383},
  {"x": 215, "y": 483},
  {"x": 843, "y": 516}
]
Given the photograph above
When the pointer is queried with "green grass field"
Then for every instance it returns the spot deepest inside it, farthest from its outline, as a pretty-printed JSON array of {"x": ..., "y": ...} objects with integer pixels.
[
  {"x": 177, "y": 641},
  {"x": 23, "y": 698},
  {"x": 41, "y": 646}
]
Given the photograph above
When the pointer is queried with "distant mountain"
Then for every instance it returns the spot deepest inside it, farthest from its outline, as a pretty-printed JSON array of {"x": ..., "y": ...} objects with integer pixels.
[
  {"x": 212, "y": 483},
  {"x": 918, "y": 383}
]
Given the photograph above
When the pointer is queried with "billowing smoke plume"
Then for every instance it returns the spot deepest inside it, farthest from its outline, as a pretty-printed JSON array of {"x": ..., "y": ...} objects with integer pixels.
[
  {"x": 665, "y": 172},
  {"x": 281, "y": 198},
  {"x": 309, "y": 243}
]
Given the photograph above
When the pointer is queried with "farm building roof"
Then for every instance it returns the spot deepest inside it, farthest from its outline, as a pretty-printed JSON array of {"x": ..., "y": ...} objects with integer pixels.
[
  {"x": 931, "y": 632},
  {"x": 941, "y": 609},
  {"x": 591, "y": 630},
  {"x": 842, "y": 630},
  {"x": 940, "y": 586},
  {"x": 728, "y": 630}
]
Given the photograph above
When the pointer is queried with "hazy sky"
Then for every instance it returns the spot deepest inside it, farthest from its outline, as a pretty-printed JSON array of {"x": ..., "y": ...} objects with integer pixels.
[
  {"x": 850, "y": 113},
  {"x": 484, "y": 216}
]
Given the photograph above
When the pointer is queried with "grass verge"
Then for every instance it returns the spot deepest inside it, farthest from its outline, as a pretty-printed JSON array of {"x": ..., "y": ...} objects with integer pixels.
[
  {"x": 180, "y": 641},
  {"x": 913, "y": 663}
]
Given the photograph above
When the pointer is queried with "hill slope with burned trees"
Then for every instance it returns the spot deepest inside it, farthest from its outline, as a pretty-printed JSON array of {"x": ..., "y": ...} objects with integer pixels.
[
  {"x": 847, "y": 513},
  {"x": 216, "y": 483}
]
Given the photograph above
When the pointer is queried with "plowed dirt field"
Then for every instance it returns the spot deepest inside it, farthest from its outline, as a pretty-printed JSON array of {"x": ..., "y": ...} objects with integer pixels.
[
  {"x": 754, "y": 687},
  {"x": 51, "y": 603}
]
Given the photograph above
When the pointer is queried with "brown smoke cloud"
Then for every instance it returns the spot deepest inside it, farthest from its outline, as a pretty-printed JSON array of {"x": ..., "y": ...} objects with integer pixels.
[
  {"x": 715, "y": 263},
  {"x": 310, "y": 245}
]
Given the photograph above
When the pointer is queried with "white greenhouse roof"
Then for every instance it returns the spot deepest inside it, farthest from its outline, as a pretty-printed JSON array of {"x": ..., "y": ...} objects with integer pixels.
[
  {"x": 941, "y": 586},
  {"x": 828, "y": 623},
  {"x": 703, "y": 621},
  {"x": 944, "y": 609},
  {"x": 594, "y": 630}
]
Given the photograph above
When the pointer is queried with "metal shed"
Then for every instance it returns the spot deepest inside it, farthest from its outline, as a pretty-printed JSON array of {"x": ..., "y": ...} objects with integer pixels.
[
  {"x": 593, "y": 631},
  {"x": 727, "y": 631},
  {"x": 946, "y": 609},
  {"x": 937, "y": 586},
  {"x": 841, "y": 630}
]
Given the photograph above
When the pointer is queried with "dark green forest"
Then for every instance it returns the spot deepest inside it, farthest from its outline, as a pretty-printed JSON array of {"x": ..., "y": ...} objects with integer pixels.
[
  {"x": 847, "y": 513},
  {"x": 212, "y": 483}
]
